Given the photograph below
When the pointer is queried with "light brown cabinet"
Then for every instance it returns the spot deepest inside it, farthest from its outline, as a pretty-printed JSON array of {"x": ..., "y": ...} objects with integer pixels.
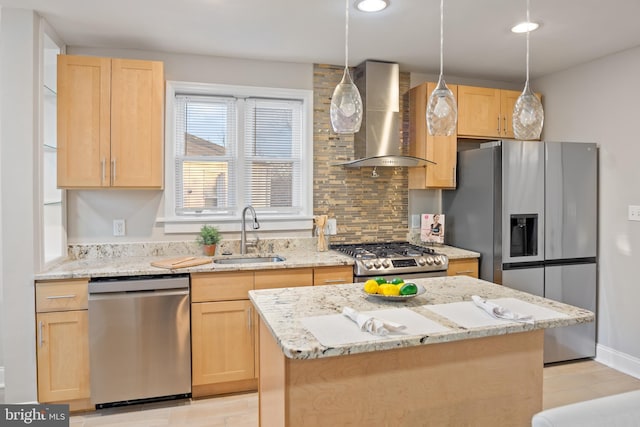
[
  {"x": 110, "y": 122},
  {"x": 224, "y": 336},
  {"x": 486, "y": 112},
  {"x": 439, "y": 149},
  {"x": 334, "y": 275},
  {"x": 463, "y": 266},
  {"x": 62, "y": 343}
]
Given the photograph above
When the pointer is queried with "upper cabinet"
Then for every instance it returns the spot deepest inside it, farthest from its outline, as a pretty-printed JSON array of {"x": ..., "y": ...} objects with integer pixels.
[
  {"x": 439, "y": 149},
  {"x": 486, "y": 112},
  {"x": 110, "y": 122}
]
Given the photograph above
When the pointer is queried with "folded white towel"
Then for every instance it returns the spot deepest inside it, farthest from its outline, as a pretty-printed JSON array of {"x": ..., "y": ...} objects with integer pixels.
[
  {"x": 501, "y": 312},
  {"x": 368, "y": 323}
]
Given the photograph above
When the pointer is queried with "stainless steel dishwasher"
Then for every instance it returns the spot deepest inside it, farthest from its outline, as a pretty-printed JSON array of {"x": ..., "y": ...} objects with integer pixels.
[{"x": 139, "y": 339}]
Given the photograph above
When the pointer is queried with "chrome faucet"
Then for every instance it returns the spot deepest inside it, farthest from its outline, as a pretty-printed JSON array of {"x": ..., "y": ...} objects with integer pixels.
[{"x": 243, "y": 234}]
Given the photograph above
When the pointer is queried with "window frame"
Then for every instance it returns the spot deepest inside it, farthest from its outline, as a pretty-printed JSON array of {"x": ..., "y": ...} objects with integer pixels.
[{"x": 174, "y": 223}]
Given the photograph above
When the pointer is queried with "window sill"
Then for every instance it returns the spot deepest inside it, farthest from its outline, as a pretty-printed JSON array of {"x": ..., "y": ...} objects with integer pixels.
[{"x": 193, "y": 225}]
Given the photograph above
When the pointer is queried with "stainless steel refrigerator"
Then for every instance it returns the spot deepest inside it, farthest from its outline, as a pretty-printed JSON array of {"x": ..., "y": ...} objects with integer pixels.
[{"x": 530, "y": 209}]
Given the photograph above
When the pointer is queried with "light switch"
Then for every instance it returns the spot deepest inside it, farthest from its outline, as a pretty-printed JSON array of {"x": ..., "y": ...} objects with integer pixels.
[{"x": 634, "y": 213}]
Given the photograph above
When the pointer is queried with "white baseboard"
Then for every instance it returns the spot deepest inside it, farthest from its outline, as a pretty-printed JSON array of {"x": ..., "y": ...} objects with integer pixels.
[{"x": 618, "y": 360}]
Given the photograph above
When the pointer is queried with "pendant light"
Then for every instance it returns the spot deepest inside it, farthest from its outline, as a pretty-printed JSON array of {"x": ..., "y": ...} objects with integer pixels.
[
  {"x": 442, "y": 112},
  {"x": 528, "y": 115},
  {"x": 346, "y": 103}
]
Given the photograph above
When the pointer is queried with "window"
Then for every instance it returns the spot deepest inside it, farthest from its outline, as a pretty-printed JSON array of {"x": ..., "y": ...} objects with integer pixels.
[{"x": 233, "y": 146}]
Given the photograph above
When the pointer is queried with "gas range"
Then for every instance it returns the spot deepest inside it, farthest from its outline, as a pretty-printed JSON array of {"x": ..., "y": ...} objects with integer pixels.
[{"x": 394, "y": 259}]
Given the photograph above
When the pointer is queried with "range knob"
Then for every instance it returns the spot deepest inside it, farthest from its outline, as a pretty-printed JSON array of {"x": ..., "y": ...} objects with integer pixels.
[
  {"x": 429, "y": 260},
  {"x": 386, "y": 263},
  {"x": 376, "y": 263},
  {"x": 368, "y": 265},
  {"x": 437, "y": 260},
  {"x": 421, "y": 261}
]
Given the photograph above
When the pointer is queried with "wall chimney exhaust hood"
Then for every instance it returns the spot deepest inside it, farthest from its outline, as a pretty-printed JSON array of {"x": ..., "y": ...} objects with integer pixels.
[{"x": 378, "y": 141}]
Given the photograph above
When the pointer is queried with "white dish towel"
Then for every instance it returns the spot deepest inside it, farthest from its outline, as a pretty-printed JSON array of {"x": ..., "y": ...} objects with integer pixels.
[
  {"x": 501, "y": 312},
  {"x": 368, "y": 323}
]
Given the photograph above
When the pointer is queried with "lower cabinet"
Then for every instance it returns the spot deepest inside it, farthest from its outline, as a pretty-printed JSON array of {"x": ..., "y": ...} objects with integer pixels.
[
  {"x": 62, "y": 343},
  {"x": 463, "y": 266},
  {"x": 224, "y": 334},
  {"x": 224, "y": 350}
]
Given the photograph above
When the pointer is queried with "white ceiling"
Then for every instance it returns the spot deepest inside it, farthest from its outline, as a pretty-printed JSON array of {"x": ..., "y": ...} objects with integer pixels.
[{"x": 478, "y": 41}]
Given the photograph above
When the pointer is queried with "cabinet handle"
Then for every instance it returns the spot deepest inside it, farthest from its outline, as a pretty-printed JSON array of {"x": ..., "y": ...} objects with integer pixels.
[
  {"x": 250, "y": 319},
  {"x": 113, "y": 170},
  {"x": 61, "y": 296},
  {"x": 335, "y": 281},
  {"x": 104, "y": 167},
  {"x": 498, "y": 125},
  {"x": 504, "y": 128},
  {"x": 454, "y": 177},
  {"x": 40, "y": 326},
  {"x": 464, "y": 272}
]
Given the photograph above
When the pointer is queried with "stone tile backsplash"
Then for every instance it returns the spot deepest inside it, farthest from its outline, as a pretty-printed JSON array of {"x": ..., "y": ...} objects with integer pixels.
[{"x": 367, "y": 209}]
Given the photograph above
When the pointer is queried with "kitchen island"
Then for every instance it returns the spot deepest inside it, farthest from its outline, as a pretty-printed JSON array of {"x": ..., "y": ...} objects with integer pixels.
[{"x": 460, "y": 373}]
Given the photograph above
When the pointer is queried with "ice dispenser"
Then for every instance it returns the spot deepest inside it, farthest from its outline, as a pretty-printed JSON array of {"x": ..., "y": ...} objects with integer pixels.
[{"x": 524, "y": 235}]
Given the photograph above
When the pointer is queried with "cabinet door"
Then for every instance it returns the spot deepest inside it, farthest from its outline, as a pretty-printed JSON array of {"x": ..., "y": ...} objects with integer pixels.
[
  {"x": 466, "y": 267},
  {"x": 479, "y": 112},
  {"x": 223, "y": 340},
  {"x": 83, "y": 121},
  {"x": 508, "y": 100},
  {"x": 63, "y": 355},
  {"x": 440, "y": 149},
  {"x": 137, "y": 107}
]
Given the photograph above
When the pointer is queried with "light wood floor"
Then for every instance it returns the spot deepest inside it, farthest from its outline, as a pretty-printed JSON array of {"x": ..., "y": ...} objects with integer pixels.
[{"x": 563, "y": 384}]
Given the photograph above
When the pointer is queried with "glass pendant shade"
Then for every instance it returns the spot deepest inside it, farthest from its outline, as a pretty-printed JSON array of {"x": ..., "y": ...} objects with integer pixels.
[
  {"x": 346, "y": 106},
  {"x": 528, "y": 116},
  {"x": 442, "y": 111}
]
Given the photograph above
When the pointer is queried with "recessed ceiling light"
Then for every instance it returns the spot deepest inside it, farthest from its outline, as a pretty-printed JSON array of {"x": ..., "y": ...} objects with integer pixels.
[
  {"x": 371, "y": 5},
  {"x": 525, "y": 27}
]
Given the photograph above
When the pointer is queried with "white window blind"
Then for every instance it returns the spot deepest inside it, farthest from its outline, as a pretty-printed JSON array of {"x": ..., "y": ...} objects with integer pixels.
[
  {"x": 205, "y": 155},
  {"x": 272, "y": 155}
]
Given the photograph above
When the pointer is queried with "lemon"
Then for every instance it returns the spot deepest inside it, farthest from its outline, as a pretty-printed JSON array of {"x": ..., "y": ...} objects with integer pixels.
[
  {"x": 371, "y": 286},
  {"x": 390, "y": 290}
]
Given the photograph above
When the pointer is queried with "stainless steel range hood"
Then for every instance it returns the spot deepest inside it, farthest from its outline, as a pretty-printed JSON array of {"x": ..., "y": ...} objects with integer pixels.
[{"x": 378, "y": 141}]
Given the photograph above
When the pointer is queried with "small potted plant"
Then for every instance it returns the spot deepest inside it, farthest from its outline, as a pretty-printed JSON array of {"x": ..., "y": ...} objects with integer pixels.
[{"x": 208, "y": 238}]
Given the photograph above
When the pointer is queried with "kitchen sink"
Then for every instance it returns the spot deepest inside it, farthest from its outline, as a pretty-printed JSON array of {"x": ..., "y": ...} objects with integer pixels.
[{"x": 249, "y": 260}]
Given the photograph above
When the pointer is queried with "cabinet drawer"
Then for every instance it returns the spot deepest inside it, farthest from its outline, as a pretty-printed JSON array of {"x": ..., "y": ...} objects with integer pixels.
[
  {"x": 467, "y": 267},
  {"x": 61, "y": 295},
  {"x": 284, "y": 278},
  {"x": 332, "y": 275},
  {"x": 221, "y": 286}
]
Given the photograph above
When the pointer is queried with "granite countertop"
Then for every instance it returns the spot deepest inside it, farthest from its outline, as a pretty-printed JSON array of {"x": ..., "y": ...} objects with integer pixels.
[
  {"x": 111, "y": 260},
  {"x": 453, "y": 252},
  {"x": 282, "y": 310},
  {"x": 141, "y": 265}
]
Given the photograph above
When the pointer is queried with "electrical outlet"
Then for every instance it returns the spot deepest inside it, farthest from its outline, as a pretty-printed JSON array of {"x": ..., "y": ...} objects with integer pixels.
[
  {"x": 332, "y": 227},
  {"x": 415, "y": 221},
  {"x": 118, "y": 227},
  {"x": 634, "y": 213}
]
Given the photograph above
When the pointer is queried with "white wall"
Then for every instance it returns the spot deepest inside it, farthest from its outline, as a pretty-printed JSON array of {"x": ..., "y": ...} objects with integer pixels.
[
  {"x": 19, "y": 52},
  {"x": 600, "y": 102},
  {"x": 90, "y": 214}
]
